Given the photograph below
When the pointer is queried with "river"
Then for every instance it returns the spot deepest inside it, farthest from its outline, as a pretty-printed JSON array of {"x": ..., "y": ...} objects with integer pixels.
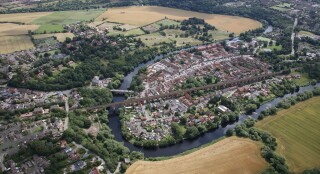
[{"x": 114, "y": 122}]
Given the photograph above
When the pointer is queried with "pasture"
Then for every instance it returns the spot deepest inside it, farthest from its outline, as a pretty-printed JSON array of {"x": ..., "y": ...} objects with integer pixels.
[
  {"x": 144, "y": 15},
  {"x": 10, "y": 29},
  {"x": 231, "y": 155},
  {"x": 10, "y": 44},
  {"x": 298, "y": 134},
  {"x": 49, "y": 28}
]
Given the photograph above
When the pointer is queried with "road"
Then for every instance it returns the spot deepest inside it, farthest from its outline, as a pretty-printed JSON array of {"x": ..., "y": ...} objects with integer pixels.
[
  {"x": 66, "y": 122},
  {"x": 293, "y": 35}
]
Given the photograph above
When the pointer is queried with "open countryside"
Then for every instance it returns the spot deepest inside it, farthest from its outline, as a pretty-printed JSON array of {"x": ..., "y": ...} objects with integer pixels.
[
  {"x": 298, "y": 134},
  {"x": 9, "y": 44},
  {"x": 144, "y": 15},
  {"x": 231, "y": 155}
]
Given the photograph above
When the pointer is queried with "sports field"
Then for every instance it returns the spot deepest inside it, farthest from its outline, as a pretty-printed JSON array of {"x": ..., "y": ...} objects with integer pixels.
[
  {"x": 10, "y": 29},
  {"x": 298, "y": 134},
  {"x": 143, "y": 15},
  {"x": 10, "y": 44},
  {"x": 231, "y": 155}
]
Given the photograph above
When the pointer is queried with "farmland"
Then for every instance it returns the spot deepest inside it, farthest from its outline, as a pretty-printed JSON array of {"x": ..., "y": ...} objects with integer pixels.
[
  {"x": 67, "y": 17},
  {"x": 231, "y": 155},
  {"x": 22, "y": 17},
  {"x": 298, "y": 134},
  {"x": 61, "y": 37},
  {"x": 141, "y": 16},
  {"x": 15, "y": 43},
  {"x": 10, "y": 29}
]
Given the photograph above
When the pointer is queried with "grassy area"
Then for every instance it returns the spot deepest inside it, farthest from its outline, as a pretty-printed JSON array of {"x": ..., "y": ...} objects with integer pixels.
[
  {"x": 68, "y": 17},
  {"x": 167, "y": 22},
  {"x": 304, "y": 79},
  {"x": 298, "y": 134},
  {"x": 49, "y": 28},
  {"x": 283, "y": 7},
  {"x": 219, "y": 35},
  {"x": 144, "y": 15},
  {"x": 10, "y": 29},
  {"x": 134, "y": 32},
  {"x": 279, "y": 47},
  {"x": 61, "y": 37},
  {"x": 307, "y": 33},
  {"x": 264, "y": 39},
  {"x": 10, "y": 44},
  {"x": 231, "y": 155}
]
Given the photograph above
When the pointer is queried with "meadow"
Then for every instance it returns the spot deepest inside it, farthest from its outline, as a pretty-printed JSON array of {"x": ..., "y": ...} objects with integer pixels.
[
  {"x": 298, "y": 134},
  {"x": 10, "y": 44},
  {"x": 144, "y": 15},
  {"x": 230, "y": 155}
]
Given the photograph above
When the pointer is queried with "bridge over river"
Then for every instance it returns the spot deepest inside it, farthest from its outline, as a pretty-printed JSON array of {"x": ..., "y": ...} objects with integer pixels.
[{"x": 175, "y": 94}]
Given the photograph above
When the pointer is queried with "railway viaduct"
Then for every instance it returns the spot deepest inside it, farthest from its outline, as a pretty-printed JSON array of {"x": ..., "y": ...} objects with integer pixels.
[{"x": 175, "y": 94}]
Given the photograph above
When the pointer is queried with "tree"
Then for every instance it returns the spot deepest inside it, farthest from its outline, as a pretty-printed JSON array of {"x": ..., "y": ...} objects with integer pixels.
[
  {"x": 177, "y": 131},
  {"x": 250, "y": 108},
  {"x": 229, "y": 132},
  {"x": 192, "y": 132}
]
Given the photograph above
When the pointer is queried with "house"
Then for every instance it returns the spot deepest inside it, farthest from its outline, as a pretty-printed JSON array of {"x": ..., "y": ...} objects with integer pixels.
[
  {"x": 38, "y": 111},
  {"x": 127, "y": 160},
  {"x": 222, "y": 108},
  {"x": 96, "y": 81},
  {"x": 94, "y": 171},
  {"x": 63, "y": 143}
]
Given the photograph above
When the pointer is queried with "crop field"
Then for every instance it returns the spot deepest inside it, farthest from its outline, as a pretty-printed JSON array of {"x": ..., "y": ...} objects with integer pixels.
[
  {"x": 22, "y": 17},
  {"x": 61, "y": 37},
  {"x": 68, "y": 17},
  {"x": 231, "y": 155},
  {"x": 10, "y": 44},
  {"x": 144, "y": 15},
  {"x": 298, "y": 134},
  {"x": 10, "y": 29}
]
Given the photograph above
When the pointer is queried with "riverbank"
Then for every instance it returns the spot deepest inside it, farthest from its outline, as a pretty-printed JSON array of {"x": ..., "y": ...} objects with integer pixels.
[{"x": 230, "y": 155}]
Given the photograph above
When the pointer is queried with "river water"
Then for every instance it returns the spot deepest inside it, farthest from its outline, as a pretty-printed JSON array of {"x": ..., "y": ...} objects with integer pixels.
[{"x": 114, "y": 122}]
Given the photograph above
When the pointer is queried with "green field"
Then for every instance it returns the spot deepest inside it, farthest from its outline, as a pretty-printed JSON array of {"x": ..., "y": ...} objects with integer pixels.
[
  {"x": 282, "y": 7},
  {"x": 304, "y": 79},
  {"x": 49, "y": 28},
  {"x": 298, "y": 134}
]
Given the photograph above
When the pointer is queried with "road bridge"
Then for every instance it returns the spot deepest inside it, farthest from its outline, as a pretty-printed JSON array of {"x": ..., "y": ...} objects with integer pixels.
[
  {"x": 119, "y": 91},
  {"x": 175, "y": 94}
]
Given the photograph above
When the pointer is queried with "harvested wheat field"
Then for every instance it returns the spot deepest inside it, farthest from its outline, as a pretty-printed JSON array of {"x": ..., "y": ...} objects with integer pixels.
[
  {"x": 143, "y": 15},
  {"x": 10, "y": 29},
  {"x": 231, "y": 155},
  {"x": 9, "y": 44},
  {"x": 22, "y": 17}
]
